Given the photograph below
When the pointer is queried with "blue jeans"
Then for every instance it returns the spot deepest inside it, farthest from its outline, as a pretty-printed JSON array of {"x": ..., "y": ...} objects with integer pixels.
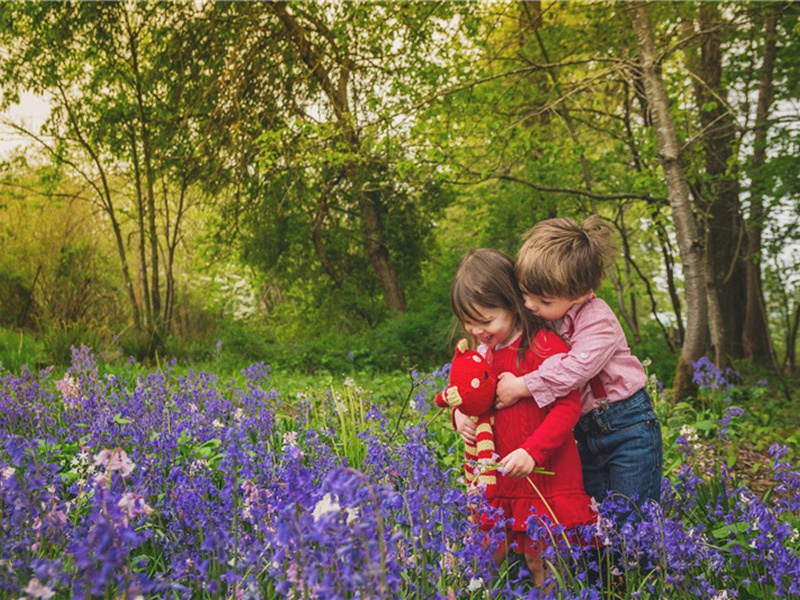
[{"x": 621, "y": 451}]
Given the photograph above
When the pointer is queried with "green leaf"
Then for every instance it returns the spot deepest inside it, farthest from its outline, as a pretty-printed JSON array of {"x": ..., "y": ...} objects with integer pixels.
[
  {"x": 730, "y": 529},
  {"x": 705, "y": 425}
]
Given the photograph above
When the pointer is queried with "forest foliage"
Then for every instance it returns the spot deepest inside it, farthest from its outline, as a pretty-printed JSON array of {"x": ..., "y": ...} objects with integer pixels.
[{"x": 296, "y": 182}]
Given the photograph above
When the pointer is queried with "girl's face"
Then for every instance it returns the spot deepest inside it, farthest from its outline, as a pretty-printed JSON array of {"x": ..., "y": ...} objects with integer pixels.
[
  {"x": 550, "y": 308},
  {"x": 495, "y": 327}
]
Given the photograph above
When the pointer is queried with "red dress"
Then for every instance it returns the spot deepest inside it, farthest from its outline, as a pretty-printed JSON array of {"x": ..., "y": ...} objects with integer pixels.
[{"x": 546, "y": 433}]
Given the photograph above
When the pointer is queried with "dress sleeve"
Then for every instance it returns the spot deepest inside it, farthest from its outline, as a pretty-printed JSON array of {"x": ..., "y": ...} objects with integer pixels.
[
  {"x": 561, "y": 416},
  {"x": 594, "y": 341}
]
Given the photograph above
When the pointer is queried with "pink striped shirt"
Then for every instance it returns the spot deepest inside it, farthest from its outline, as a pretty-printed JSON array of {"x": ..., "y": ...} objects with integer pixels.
[{"x": 597, "y": 347}]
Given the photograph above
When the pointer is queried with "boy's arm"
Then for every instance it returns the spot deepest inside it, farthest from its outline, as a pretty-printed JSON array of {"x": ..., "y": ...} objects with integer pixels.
[
  {"x": 510, "y": 389},
  {"x": 593, "y": 343}
]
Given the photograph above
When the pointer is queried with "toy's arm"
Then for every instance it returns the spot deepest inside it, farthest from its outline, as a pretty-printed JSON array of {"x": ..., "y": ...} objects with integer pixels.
[{"x": 448, "y": 398}]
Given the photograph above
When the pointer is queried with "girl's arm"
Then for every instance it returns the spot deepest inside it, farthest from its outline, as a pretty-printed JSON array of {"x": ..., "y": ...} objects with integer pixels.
[
  {"x": 551, "y": 434},
  {"x": 554, "y": 430},
  {"x": 465, "y": 426}
]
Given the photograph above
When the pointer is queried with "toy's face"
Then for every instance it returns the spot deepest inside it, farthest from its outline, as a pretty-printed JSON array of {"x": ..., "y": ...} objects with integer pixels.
[{"x": 475, "y": 383}]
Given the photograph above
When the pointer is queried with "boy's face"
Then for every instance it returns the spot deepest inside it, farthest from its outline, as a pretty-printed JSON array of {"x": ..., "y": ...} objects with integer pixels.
[{"x": 550, "y": 308}]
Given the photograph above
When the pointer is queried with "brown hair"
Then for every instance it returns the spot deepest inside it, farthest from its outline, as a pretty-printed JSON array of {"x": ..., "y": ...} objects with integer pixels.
[
  {"x": 562, "y": 259},
  {"x": 485, "y": 278}
]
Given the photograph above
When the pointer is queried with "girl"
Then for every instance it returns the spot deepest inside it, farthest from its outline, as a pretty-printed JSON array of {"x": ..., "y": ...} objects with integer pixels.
[{"x": 485, "y": 298}]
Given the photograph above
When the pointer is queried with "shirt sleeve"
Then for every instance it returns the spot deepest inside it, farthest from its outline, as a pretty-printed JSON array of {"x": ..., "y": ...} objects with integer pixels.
[
  {"x": 561, "y": 418},
  {"x": 594, "y": 341}
]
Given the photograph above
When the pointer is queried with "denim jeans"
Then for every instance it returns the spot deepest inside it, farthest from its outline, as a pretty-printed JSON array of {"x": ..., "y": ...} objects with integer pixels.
[{"x": 621, "y": 451}]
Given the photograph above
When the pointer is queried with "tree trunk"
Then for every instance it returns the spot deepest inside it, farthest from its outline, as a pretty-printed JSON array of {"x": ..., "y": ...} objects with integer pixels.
[
  {"x": 147, "y": 153},
  {"x": 755, "y": 332},
  {"x": 724, "y": 226},
  {"x": 107, "y": 204},
  {"x": 337, "y": 94},
  {"x": 791, "y": 339},
  {"x": 686, "y": 230},
  {"x": 631, "y": 318},
  {"x": 140, "y": 210},
  {"x": 669, "y": 264},
  {"x": 393, "y": 293}
]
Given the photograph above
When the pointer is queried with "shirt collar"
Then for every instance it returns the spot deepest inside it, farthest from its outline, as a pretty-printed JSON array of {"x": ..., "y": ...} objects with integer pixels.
[{"x": 569, "y": 317}]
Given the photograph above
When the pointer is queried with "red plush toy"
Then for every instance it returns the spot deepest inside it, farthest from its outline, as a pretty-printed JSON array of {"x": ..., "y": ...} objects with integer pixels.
[{"x": 471, "y": 390}]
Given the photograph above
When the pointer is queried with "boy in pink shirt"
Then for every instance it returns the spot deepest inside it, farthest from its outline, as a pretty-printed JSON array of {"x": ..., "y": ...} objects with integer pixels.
[{"x": 559, "y": 267}]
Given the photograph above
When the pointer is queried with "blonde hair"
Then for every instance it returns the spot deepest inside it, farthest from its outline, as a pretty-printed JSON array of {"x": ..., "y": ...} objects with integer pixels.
[
  {"x": 562, "y": 259},
  {"x": 485, "y": 278}
]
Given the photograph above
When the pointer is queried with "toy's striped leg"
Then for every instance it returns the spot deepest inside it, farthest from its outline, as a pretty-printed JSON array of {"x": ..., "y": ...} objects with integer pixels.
[{"x": 487, "y": 478}]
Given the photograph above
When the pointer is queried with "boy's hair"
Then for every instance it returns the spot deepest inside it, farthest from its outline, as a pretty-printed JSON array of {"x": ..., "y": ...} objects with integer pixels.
[
  {"x": 485, "y": 278},
  {"x": 561, "y": 259}
]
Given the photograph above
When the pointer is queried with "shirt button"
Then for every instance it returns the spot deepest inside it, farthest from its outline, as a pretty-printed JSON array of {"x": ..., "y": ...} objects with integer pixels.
[{"x": 584, "y": 355}]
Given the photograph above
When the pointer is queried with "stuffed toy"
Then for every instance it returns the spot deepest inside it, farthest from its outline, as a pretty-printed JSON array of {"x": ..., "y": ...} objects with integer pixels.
[{"x": 472, "y": 390}]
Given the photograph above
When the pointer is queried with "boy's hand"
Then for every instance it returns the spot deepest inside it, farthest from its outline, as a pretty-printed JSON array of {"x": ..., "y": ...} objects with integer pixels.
[
  {"x": 466, "y": 427},
  {"x": 518, "y": 463},
  {"x": 510, "y": 389}
]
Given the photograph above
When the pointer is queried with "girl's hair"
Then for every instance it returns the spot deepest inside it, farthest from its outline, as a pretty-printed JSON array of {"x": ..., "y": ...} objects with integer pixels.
[
  {"x": 562, "y": 259},
  {"x": 485, "y": 278}
]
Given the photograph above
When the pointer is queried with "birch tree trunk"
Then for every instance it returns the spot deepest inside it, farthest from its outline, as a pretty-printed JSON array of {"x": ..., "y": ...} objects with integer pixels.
[{"x": 686, "y": 230}]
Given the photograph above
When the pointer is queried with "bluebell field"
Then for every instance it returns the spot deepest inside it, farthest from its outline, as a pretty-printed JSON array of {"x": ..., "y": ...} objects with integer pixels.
[{"x": 185, "y": 486}]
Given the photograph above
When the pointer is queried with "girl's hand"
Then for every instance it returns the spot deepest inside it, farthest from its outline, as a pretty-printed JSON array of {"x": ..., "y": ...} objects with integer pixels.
[
  {"x": 466, "y": 427},
  {"x": 510, "y": 389},
  {"x": 518, "y": 463}
]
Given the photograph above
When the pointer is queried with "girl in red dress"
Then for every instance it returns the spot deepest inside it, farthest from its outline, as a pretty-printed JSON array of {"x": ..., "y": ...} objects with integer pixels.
[{"x": 487, "y": 301}]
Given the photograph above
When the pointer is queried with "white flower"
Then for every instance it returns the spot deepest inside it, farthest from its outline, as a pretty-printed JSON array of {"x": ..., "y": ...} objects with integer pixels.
[
  {"x": 217, "y": 423},
  {"x": 134, "y": 505},
  {"x": 722, "y": 595},
  {"x": 688, "y": 432},
  {"x": 37, "y": 590},
  {"x": 349, "y": 382},
  {"x": 70, "y": 390},
  {"x": 8, "y": 472},
  {"x": 647, "y": 362},
  {"x": 352, "y": 515},
  {"x": 330, "y": 504},
  {"x": 475, "y": 584},
  {"x": 115, "y": 460},
  {"x": 289, "y": 440}
]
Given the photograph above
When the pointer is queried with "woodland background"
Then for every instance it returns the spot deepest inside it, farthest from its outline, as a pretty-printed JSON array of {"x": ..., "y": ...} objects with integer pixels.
[{"x": 295, "y": 183}]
